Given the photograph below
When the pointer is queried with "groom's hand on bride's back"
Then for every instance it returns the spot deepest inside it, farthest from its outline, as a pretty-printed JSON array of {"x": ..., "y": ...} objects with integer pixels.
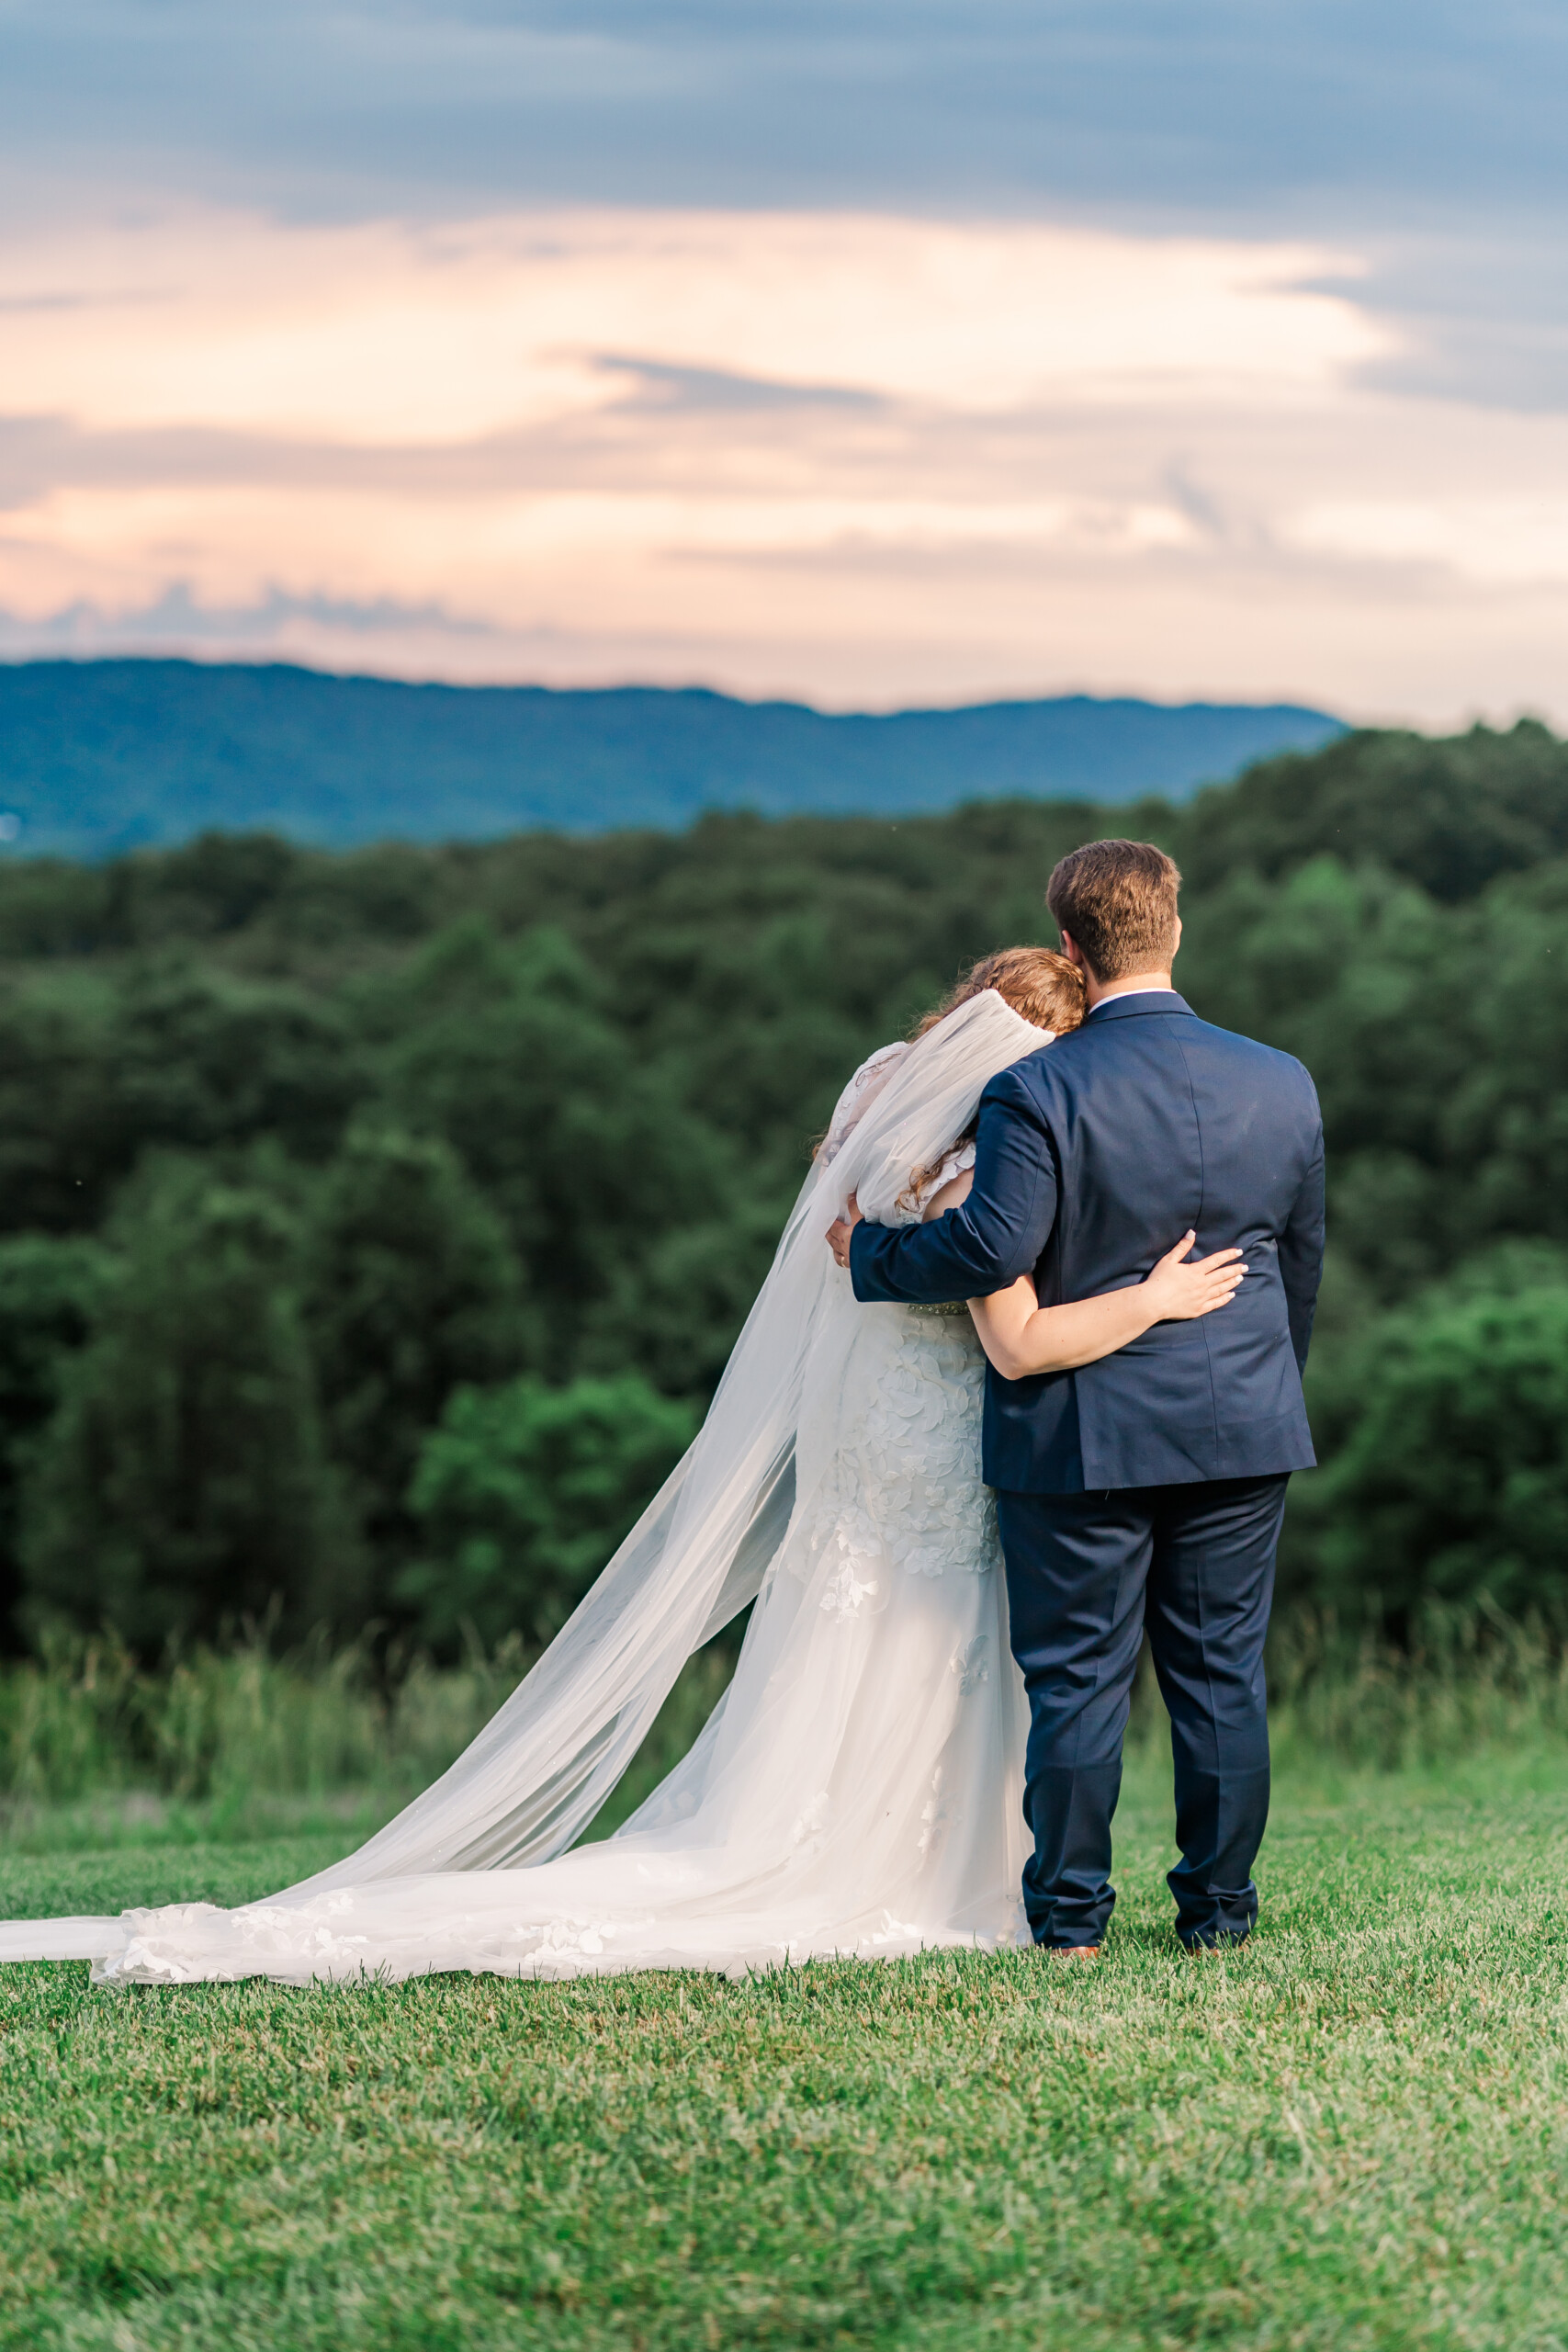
[{"x": 838, "y": 1233}]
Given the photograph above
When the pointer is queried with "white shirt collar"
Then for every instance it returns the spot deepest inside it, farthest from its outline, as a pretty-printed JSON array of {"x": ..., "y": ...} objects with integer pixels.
[{"x": 1123, "y": 994}]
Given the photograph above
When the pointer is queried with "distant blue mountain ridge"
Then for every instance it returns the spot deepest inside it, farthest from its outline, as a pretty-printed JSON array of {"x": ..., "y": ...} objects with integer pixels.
[{"x": 99, "y": 757}]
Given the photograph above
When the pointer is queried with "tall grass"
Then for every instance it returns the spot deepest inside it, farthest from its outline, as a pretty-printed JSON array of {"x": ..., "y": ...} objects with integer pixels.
[
  {"x": 239, "y": 1729},
  {"x": 222, "y": 1724},
  {"x": 1467, "y": 1681}
]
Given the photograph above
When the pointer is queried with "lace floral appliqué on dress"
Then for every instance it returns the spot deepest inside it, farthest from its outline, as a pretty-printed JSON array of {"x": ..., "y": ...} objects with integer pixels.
[{"x": 902, "y": 1494}]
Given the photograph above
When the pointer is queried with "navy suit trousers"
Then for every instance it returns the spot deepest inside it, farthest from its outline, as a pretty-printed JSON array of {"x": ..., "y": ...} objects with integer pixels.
[{"x": 1087, "y": 1575}]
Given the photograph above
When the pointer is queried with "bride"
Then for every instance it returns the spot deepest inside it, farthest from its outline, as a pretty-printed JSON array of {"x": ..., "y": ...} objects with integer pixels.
[{"x": 857, "y": 1790}]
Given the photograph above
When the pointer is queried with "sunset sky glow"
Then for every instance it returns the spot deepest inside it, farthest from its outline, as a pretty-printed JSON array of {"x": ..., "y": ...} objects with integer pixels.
[{"x": 774, "y": 418}]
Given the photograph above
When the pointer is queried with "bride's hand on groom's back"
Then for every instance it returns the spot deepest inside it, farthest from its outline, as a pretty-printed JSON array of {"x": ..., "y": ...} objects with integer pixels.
[
  {"x": 1180, "y": 1288},
  {"x": 1022, "y": 1337}
]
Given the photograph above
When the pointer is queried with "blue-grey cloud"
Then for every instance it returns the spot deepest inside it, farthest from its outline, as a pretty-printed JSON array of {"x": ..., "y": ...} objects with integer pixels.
[
  {"x": 661, "y": 387},
  {"x": 1482, "y": 310},
  {"x": 1208, "y": 107},
  {"x": 176, "y": 619}
]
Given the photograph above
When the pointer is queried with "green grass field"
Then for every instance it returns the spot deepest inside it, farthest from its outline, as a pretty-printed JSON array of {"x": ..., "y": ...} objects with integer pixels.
[{"x": 1353, "y": 2134}]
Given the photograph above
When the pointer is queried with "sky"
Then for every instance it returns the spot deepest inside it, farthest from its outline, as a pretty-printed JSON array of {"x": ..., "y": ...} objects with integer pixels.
[{"x": 875, "y": 355}]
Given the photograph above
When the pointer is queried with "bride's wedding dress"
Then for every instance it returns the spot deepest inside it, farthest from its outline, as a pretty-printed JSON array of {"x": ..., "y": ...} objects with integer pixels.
[{"x": 856, "y": 1791}]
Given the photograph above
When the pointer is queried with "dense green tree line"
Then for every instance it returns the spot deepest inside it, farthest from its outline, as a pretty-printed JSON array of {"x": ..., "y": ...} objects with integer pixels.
[{"x": 373, "y": 1226}]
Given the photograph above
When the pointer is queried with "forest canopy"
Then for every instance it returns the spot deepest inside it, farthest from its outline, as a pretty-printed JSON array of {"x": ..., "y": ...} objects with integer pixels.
[{"x": 374, "y": 1226}]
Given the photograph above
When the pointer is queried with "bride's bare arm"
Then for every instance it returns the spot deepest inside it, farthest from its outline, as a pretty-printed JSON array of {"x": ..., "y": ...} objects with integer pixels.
[
  {"x": 956, "y": 1188},
  {"x": 1021, "y": 1336}
]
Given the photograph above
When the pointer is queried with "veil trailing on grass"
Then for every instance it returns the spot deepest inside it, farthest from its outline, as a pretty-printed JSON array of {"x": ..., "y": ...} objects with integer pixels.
[{"x": 541, "y": 1768}]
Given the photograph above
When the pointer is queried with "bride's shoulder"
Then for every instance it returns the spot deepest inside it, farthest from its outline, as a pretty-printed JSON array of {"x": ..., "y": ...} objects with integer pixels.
[
  {"x": 872, "y": 1073},
  {"x": 860, "y": 1093},
  {"x": 878, "y": 1065}
]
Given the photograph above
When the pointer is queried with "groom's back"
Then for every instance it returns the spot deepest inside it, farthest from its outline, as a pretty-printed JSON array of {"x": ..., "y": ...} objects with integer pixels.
[{"x": 1157, "y": 1122}]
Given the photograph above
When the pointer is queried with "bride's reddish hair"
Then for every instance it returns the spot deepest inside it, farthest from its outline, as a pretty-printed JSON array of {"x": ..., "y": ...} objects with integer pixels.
[{"x": 1038, "y": 982}]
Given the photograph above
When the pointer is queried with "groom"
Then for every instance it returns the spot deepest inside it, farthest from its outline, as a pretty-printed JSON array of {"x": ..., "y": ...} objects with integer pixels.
[{"x": 1143, "y": 1493}]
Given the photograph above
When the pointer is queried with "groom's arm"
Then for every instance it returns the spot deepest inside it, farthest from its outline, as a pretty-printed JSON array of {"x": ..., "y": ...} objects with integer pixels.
[
  {"x": 1300, "y": 1253},
  {"x": 996, "y": 1235}
]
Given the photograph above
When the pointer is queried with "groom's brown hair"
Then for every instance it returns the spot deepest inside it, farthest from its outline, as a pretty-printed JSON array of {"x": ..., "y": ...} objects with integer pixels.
[{"x": 1117, "y": 900}]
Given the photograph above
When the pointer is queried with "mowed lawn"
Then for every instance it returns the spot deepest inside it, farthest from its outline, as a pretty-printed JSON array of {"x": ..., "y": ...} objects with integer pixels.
[{"x": 1354, "y": 2134}]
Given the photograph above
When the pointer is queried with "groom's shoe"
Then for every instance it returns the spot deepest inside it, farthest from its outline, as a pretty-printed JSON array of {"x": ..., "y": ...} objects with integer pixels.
[
  {"x": 1070, "y": 1951},
  {"x": 1215, "y": 1947}
]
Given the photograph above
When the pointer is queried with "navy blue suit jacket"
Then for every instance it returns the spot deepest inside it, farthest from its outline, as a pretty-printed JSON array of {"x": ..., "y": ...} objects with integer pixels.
[{"x": 1092, "y": 1157}]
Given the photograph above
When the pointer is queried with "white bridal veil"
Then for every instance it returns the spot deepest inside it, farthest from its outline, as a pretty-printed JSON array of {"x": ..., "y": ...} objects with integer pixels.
[{"x": 540, "y": 1770}]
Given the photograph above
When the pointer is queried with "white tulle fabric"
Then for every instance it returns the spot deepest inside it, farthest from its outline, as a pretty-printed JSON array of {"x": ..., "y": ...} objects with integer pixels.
[{"x": 857, "y": 1789}]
